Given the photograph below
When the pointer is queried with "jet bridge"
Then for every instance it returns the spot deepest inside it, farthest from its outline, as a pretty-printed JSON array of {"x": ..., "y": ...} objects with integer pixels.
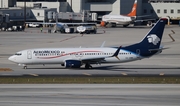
[{"x": 71, "y": 16}]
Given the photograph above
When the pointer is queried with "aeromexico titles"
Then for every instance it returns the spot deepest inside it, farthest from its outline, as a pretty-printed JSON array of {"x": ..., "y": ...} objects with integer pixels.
[{"x": 77, "y": 57}]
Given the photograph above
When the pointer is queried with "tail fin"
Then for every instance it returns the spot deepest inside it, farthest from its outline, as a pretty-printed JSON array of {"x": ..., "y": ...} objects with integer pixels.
[
  {"x": 153, "y": 38},
  {"x": 133, "y": 11},
  {"x": 150, "y": 44}
]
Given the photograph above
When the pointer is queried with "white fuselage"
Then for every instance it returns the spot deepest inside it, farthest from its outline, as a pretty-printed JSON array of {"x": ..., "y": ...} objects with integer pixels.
[
  {"x": 60, "y": 55},
  {"x": 118, "y": 19}
]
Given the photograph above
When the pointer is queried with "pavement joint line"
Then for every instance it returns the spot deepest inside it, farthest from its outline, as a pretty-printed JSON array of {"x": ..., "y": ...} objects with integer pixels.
[
  {"x": 87, "y": 74},
  {"x": 161, "y": 74},
  {"x": 123, "y": 73},
  {"x": 34, "y": 75}
]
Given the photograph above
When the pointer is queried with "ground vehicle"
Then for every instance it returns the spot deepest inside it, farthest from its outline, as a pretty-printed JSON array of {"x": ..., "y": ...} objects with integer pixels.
[
  {"x": 34, "y": 25},
  {"x": 87, "y": 29}
]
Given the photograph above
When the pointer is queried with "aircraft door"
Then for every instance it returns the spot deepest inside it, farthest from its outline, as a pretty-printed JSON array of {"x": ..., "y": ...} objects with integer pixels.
[{"x": 29, "y": 55}]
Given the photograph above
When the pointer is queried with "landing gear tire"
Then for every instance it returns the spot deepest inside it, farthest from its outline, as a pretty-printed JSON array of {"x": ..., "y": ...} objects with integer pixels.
[
  {"x": 94, "y": 31},
  {"x": 113, "y": 25},
  {"x": 25, "y": 67},
  {"x": 87, "y": 32},
  {"x": 125, "y": 25},
  {"x": 88, "y": 66}
]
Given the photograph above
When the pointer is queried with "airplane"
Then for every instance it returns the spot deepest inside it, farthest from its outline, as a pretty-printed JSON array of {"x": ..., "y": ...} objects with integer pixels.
[
  {"x": 124, "y": 20},
  {"x": 76, "y": 57}
]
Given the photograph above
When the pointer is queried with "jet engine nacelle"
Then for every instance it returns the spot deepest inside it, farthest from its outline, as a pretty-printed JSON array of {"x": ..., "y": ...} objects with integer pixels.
[
  {"x": 72, "y": 64},
  {"x": 150, "y": 24}
]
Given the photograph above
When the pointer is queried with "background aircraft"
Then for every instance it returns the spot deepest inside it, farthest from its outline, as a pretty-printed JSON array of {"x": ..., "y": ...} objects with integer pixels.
[
  {"x": 124, "y": 20},
  {"x": 76, "y": 57}
]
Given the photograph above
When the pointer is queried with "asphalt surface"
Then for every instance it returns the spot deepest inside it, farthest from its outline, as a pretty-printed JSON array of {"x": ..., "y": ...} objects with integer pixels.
[
  {"x": 89, "y": 95},
  {"x": 166, "y": 63}
]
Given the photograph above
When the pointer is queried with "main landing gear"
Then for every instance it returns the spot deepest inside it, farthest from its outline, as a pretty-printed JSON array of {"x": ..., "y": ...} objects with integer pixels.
[{"x": 88, "y": 66}]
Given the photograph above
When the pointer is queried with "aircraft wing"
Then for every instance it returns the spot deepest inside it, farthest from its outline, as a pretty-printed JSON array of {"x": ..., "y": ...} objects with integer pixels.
[
  {"x": 94, "y": 60},
  {"x": 139, "y": 16},
  {"x": 33, "y": 22},
  {"x": 144, "y": 20},
  {"x": 101, "y": 59}
]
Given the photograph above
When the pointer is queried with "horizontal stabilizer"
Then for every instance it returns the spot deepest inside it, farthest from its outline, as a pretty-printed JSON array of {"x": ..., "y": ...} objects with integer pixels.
[{"x": 158, "y": 49}]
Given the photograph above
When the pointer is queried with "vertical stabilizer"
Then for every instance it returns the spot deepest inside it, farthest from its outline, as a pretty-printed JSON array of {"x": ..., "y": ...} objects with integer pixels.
[
  {"x": 150, "y": 44},
  {"x": 133, "y": 11},
  {"x": 154, "y": 36}
]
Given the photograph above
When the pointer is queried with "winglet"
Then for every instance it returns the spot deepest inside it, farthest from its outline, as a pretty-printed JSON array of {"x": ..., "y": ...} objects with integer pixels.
[{"x": 116, "y": 53}]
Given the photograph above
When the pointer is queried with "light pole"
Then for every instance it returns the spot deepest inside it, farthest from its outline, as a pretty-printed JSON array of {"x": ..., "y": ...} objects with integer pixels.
[
  {"x": 71, "y": 6},
  {"x": 24, "y": 12}
]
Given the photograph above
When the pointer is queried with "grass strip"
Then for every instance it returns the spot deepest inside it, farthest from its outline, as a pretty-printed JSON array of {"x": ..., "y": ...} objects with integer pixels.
[
  {"x": 89, "y": 80},
  {"x": 5, "y": 69}
]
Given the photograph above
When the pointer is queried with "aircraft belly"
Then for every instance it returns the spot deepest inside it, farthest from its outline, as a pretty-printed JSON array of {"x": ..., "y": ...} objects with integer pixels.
[
  {"x": 119, "y": 22},
  {"x": 123, "y": 23},
  {"x": 45, "y": 61}
]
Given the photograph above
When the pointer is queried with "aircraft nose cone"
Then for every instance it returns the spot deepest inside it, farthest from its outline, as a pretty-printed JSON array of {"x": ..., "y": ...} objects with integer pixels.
[{"x": 11, "y": 58}]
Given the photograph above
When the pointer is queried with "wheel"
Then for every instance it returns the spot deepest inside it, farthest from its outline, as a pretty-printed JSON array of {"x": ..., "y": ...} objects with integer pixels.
[
  {"x": 88, "y": 66},
  {"x": 95, "y": 31},
  {"x": 25, "y": 67},
  {"x": 87, "y": 32},
  {"x": 125, "y": 25},
  {"x": 113, "y": 24},
  {"x": 109, "y": 25}
]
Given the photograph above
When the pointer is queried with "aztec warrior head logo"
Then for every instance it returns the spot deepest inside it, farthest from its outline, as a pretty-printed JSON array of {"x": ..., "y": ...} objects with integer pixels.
[{"x": 153, "y": 39}]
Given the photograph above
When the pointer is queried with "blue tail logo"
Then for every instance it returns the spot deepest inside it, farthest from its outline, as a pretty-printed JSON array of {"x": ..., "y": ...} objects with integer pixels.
[{"x": 153, "y": 38}]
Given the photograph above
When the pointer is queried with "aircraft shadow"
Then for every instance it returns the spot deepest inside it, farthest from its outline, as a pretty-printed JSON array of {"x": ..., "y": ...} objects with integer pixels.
[
  {"x": 137, "y": 67},
  {"x": 110, "y": 68}
]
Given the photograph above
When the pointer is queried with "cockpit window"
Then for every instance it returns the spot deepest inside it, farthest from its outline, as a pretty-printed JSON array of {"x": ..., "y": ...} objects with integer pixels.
[{"x": 18, "y": 54}]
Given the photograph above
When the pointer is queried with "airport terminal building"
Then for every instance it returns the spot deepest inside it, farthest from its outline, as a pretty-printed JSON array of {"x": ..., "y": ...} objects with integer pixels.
[{"x": 153, "y": 8}]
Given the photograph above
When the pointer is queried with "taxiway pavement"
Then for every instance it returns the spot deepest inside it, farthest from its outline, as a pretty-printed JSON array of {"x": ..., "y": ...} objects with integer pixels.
[{"x": 89, "y": 95}]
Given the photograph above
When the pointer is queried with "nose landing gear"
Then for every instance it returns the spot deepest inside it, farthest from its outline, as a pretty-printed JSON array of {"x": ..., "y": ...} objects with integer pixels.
[{"x": 24, "y": 67}]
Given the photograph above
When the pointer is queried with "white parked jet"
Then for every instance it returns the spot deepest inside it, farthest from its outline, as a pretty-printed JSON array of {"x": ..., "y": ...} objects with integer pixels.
[
  {"x": 124, "y": 20},
  {"x": 76, "y": 57}
]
